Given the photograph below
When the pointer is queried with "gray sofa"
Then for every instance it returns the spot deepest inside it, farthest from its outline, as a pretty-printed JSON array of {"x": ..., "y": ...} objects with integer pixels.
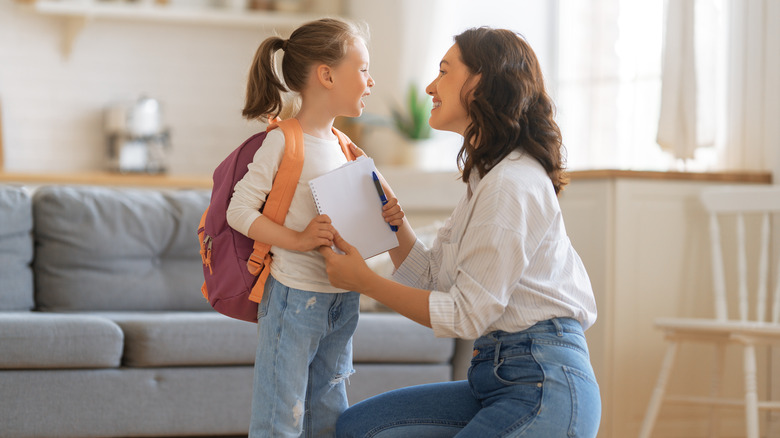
[{"x": 104, "y": 331}]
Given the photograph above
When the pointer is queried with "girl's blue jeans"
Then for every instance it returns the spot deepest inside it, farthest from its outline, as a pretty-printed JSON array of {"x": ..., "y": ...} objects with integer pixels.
[
  {"x": 304, "y": 355},
  {"x": 534, "y": 383}
]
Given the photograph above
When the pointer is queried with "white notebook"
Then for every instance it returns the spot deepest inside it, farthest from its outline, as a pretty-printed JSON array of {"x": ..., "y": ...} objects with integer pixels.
[{"x": 348, "y": 196}]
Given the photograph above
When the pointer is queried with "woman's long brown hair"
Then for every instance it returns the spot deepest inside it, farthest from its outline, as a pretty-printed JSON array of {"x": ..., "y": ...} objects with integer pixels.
[{"x": 509, "y": 107}]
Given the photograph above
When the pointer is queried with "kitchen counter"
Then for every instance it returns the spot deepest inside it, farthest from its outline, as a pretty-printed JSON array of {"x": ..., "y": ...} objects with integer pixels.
[
  {"x": 201, "y": 181},
  {"x": 735, "y": 177}
]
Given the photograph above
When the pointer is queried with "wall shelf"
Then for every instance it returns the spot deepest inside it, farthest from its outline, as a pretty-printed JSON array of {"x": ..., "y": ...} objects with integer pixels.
[{"x": 78, "y": 13}]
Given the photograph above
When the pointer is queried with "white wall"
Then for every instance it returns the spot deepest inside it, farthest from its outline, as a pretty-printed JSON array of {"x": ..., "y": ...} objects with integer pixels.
[
  {"x": 52, "y": 105},
  {"x": 772, "y": 69},
  {"x": 409, "y": 38}
]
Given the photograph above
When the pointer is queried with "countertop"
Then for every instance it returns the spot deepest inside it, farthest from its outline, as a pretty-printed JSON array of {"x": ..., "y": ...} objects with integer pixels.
[{"x": 202, "y": 181}]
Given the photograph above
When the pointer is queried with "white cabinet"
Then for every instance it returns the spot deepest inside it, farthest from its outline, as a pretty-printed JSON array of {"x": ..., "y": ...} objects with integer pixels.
[
  {"x": 643, "y": 239},
  {"x": 646, "y": 248}
]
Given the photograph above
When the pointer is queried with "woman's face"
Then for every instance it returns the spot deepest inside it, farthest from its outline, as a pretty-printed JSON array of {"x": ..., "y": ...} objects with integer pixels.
[{"x": 448, "y": 89}]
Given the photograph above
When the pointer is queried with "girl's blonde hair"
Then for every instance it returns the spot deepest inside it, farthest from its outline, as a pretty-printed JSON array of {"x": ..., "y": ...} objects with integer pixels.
[{"x": 323, "y": 41}]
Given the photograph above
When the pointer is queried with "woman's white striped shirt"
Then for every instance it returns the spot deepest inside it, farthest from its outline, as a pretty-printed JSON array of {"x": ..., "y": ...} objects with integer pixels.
[{"x": 502, "y": 261}]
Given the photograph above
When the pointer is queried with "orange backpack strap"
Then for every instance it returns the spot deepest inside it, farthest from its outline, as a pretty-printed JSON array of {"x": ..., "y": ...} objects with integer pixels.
[
  {"x": 279, "y": 199},
  {"x": 277, "y": 204},
  {"x": 344, "y": 141}
]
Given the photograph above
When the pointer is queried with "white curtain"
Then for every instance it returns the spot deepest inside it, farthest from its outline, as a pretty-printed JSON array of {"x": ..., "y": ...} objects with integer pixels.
[
  {"x": 748, "y": 145},
  {"x": 677, "y": 122},
  {"x": 719, "y": 82}
]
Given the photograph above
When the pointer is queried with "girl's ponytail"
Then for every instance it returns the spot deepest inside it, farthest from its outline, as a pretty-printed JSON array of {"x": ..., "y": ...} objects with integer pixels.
[{"x": 264, "y": 89}]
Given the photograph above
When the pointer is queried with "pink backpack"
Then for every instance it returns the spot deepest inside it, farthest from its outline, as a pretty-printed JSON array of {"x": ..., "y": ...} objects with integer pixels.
[{"x": 235, "y": 266}]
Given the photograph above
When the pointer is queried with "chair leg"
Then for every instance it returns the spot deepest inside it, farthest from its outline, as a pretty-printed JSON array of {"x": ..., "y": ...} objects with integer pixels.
[
  {"x": 658, "y": 392},
  {"x": 751, "y": 391},
  {"x": 717, "y": 379}
]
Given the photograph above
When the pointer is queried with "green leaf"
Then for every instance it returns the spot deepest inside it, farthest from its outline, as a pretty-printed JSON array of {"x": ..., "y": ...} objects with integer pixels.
[{"x": 413, "y": 122}]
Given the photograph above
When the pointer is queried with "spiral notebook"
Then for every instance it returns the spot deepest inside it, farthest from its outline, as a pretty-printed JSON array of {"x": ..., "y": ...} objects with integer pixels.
[{"x": 348, "y": 196}]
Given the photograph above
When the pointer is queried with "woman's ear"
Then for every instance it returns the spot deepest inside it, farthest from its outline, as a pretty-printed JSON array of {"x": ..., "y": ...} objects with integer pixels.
[{"x": 325, "y": 76}]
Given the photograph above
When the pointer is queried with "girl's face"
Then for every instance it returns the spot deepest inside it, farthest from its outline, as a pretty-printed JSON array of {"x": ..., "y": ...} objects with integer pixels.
[
  {"x": 353, "y": 82},
  {"x": 448, "y": 90}
]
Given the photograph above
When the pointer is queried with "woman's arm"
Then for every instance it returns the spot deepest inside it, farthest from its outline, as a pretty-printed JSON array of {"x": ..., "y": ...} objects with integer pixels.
[
  {"x": 350, "y": 272},
  {"x": 394, "y": 215}
]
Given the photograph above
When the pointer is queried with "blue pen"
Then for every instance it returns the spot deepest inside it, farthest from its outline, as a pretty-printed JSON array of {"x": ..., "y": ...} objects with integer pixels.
[{"x": 382, "y": 196}]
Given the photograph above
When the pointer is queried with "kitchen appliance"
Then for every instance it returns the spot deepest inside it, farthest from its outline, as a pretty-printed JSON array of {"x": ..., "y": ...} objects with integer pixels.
[{"x": 138, "y": 142}]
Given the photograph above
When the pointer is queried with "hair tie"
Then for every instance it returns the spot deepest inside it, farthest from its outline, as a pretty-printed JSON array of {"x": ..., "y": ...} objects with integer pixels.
[{"x": 284, "y": 44}]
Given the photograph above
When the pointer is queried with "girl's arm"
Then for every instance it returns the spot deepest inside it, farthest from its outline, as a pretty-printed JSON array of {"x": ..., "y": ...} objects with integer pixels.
[
  {"x": 250, "y": 194},
  {"x": 319, "y": 232},
  {"x": 350, "y": 272}
]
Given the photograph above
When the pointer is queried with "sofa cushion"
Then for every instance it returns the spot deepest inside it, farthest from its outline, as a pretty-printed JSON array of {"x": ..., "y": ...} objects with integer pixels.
[
  {"x": 161, "y": 339},
  {"x": 392, "y": 338},
  {"x": 16, "y": 249},
  {"x": 44, "y": 340},
  {"x": 126, "y": 402},
  {"x": 118, "y": 249}
]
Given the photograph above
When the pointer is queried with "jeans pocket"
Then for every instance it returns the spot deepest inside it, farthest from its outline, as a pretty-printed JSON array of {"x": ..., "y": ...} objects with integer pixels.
[
  {"x": 585, "y": 403},
  {"x": 518, "y": 370}
]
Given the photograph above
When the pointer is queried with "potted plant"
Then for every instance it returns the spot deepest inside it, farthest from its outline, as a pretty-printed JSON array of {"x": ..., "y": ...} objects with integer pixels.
[{"x": 411, "y": 123}]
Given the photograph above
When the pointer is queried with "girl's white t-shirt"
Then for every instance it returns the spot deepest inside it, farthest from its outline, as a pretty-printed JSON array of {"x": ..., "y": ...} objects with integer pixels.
[{"x": 295, "y": 269}]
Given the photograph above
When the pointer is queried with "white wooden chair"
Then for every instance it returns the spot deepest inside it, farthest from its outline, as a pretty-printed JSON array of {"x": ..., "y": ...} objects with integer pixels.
[{"x": 756, "y": 319}]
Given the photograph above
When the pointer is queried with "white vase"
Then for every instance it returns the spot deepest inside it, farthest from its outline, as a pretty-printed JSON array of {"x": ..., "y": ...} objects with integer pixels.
[{"x": 433, "y": 154}]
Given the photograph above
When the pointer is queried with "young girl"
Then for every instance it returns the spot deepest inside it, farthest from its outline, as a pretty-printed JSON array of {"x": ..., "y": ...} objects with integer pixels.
[
  {"x": 304, "y": 352},
  {"x": 501, "y": 271}
]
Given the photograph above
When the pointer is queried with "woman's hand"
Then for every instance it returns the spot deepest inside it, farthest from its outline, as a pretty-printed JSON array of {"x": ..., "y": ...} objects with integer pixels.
[
  {"x": 350, "y": 272},
  {"x": 346, "y": 271},
  {"x": 319, "y": 232}
]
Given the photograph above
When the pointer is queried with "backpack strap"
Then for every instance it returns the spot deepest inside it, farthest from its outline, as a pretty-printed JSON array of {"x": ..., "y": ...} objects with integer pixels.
[
  {"x": 280, "y": 197},
  {"x": 344, "y": 141}
]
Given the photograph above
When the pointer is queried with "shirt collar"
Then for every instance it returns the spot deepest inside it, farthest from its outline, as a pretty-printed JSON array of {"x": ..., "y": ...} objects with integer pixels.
[{"x": 474, "y": 178}]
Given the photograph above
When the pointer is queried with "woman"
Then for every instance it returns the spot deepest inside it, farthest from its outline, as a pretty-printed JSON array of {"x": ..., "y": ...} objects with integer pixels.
[{"x": 502, "y": 269}]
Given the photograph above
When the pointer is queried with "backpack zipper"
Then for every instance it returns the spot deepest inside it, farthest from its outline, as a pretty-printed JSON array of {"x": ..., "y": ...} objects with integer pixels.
[{"x": 205, "y": 252}]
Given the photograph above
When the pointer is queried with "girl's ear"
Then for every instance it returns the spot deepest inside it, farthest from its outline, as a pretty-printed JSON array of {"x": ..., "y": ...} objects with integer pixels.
[{"x": 325, "y": 76}]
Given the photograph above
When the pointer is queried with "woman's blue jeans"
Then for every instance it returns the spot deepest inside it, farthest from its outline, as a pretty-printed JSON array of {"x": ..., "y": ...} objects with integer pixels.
[
  {"x": 304, "y": 355},
  {"x": 534, "y": 383}
]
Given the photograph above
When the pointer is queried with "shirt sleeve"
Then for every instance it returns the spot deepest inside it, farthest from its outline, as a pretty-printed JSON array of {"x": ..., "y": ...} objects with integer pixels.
[
  {"x": 489, "y": 262},
  {"x": 511, "y": 218},
  {"x": 252, "y": 190},
  {"x": 415, "y": 271}
]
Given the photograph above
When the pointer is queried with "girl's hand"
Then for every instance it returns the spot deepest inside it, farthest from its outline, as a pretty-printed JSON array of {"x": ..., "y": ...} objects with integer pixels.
[
  {"x": 318, "y": 233},
  {"x": 356, "y": 150},
  {"x": 393, "y": 213},
  {"x": 346, "y": 271}
]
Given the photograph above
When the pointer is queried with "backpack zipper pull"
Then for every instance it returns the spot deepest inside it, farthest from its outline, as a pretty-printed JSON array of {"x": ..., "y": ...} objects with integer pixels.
[{"x": 205, "y": 252}]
